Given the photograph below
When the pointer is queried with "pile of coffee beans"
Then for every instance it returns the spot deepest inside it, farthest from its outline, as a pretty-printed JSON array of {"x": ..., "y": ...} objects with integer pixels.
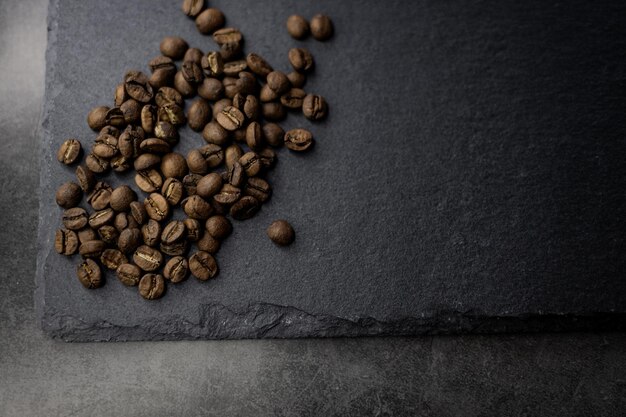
[{"x": 240, "y": 100}]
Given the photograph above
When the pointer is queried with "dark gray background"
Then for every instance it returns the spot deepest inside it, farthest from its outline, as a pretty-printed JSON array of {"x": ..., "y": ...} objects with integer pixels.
[{"x": 508, "y": 375}]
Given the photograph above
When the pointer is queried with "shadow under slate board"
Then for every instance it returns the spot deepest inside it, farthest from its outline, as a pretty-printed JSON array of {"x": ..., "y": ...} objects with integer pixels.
[{"x": 469, "y": 178}]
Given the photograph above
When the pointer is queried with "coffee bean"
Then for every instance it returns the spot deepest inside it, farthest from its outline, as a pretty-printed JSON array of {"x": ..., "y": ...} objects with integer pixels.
[
  {"x": 68, "y": 195},
  {"x": 219, "y": 227},
  {"x": 196, "y": 207},
  {"x": 131, "y": 109},
  {"x": 129, "y": 240},
  {"x": 267, "y": 157},
  {"x": 278, "y": 82},
  {"x": 108, "y": 234},
  {"x": 121, "y": 198},
  {"x": 105, "y": 146},
  {"x": 128, "y": 274},
  {"x": 233, "y": 68},
  {"x": 148, "y": 118},
  {"x": 203, "y": 266},
  {"x": 65, "y": 242},
  {"x": 254, "y": 136},
  {"x": 293, "y": 98},
  {"x": 232, "y": 155},
  {"x": 193, "y": 54},
  {"x": 101, "y": 217},
  {"x": 110, "y": 130},
  {"x": 239, "y": 135},
  {"x": 208, "y": 244},
  {"x": 274, "y": 134},
  {"x": 297, "y": 26},
  {"x": 175, "y": 249},
  {"x": 120, "y": 95},
  {"x": 155, "y": 146},
  {"x": 97, "y": 164},
  {"x": 196, "y": 162},
  {"x": 211, "y": 89},
  {"x": 185, "y": 88},
  {"x": 162, "y": 63},
  {"x": 250, "y": 163},
  {"x": 176, "y": 269},
  {"x": 86, "y": 234},
  {"x": 100, "y": 196},
  {"x": 138, "y": 212},
  {"x": 212, "y": 64},
  {"x": 161, "y": 78},
  {"x": 168, "y": 95},
  {"x": 274, "y": 112},
  {"x": 227, "y": 195},
  {"x": 151, "y": 286},
  {"x": 227, "y": 36},
  {"x": 91, "y": 249},
  {"x": 151, "y": 233},
  {"x": 167, "y": 132},
  {"x": 173, "y": 191},
  {"x": 137, "y": 86},
  {"x": 247, "y": 83},
  {"x": 89, "y": 274},
  {"x": 314, "y": 107},
  {"x": 192, "y": 8},
  {"x": 173, "y": 232},
  {"x": 258, "y": 65},
  {"x": 69, "y": 151},
  {"x": 297, "y": 79},
  {"x": 190, "y": 182},
  {"x": 230, "y": 118},
  {"x": 215, "y": 134},
  {"x": 213, "y": 154},
  {"x": 115, "y": 117},
  {"x": 157, "y": 207},
  {"x": 258, "y": 188},
  {"x": 238, "y": 101},
  {"x": 245, "y": 208},
  {"x": 120, "y": 163},
  {"x": 251, "y": 107},
  {"x": 236, "y": 175},
  {"x": 221, "y": 105},
  {"x": 321, "y": 27},
  {"x": 172, "y": 113},
  {"x": 298, "y": 140},
  {"x": 301, "y": 59},
  {"x": 209, "y": 185},
  {"x": 130, "y": 141},
  {"x": 199, "y": 115},
  {"x": 267, "y": 94},
  {"x": 96, "y": 119},
  {"x": 231, "y": 50},
  {"x": 147, "y": 258},
  {"x": 192, "y": 72},
  {"x": 173, "y": 165},
  {"x": 281, "y": 232},
  {"x": 121, "y": 221},
  {"x": 112, "y": 259},
  {"x": 149, "y": 180},
  {"x": 193, "y": 229},
  {"x": 173, "y": 47},
  {"x": 209, "y": 21}
]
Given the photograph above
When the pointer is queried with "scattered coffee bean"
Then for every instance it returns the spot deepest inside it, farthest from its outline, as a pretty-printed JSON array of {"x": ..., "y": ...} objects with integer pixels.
[
  {"x": 86, "y": 178},
  {"x": 258, "y": 65},
  {"x": 254, "y": 136},
  {"x": 193, "y": 229},
  {"x": 68, "y": 195},
  {"x": 281, "y": 232},
  {"x": 105, "y": 146},
  {"x": 298, "y": 140},
  {"x": 227, "y": 195},
  {"x": 174, "y": 249},
  {"x": 245, "y": 208},
  {"x": 212, "y": 64},
  {"x": 211, "y": 89},
  {"x": 314, "y": 107},
  {"x": 146, "y": 161},
  {"x": 297, "y": 26},
  {"x": 137, "y": 86},
  {"x": 267, "y": 157},
  {"x": 192, "y": 8},
  {"x": 97, "y": 164},
  {"x": 227, "y": 36},
  {"x": 121, "y": 221},
  {"x": 65, "y": 242},
  {"x": 96, "y": 119},
  {"x": 236, "y": 175},
  {"x": 86, "y": 234},
  {"x": 232, "y": 155},
  {"x": 157, "y": 207},
  {"x": 321, "y": 27},
  {"x": 278, "y": 82},
  {"x": 108, "y": 234},
  {"x": 297, "y": 79},
  {"x": 190, "y": 182},
  {"x": 69, "y": 152},
  {"x": 122, "y": 197},
  {"x": 128, "y": 274},
  {"x": 199, "y": 115},
  {"x": 101, "y": 217},
  {"x": 89, "y": 274},
  {"x": 151, "y": 286},
  {"x": 273, "y": 134},
  {"x": 129, "y": 240},
  {"x": 185, "y": 88},
  {"x": 250, "y": 163},
  {"x": 196, "y": 207},
  {"x": 219, "y": 227},
  {"x": 203, "y": 266},
  {"x": 173, "y": 232},
  {"x": 301, "y": 59},
  {"x": 192, "y": 72},
  {"x": 131, "y": 109},
  {"x": 147, "y": 258},
  {"x": 173, "y": 165},
  {"x": 155, "y": 146},
  {"x": 293, "y": 98},
  {"x": 273, "y": 112},
  {"x": 209, "y": 21},
  {"x": 258, "y": 188},
  {"x": 230, "y": 118},
  {"x": 91, "y": 249},
  {"x": 193, "y": 54},
  {"x": 149, "y": 180},
  {"x": 151, "y": 233},
  {"x": 173, "y": 191},
  {"x": 208, "y": 244},
  {"x": 176, "y": 269},
  {"x": 112, "y": 259},
  {"x": 173, "y": 47}
]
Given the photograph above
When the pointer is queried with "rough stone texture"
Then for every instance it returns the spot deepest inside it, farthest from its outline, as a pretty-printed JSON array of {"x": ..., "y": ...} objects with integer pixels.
[{"x": 469, "y": 178}]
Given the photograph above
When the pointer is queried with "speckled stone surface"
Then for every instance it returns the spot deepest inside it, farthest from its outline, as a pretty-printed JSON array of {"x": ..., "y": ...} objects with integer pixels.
[{"x": 469, "y": 178}]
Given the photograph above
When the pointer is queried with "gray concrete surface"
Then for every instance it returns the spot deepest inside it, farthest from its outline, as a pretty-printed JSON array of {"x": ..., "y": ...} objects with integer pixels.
[{"x": 524, "y": 375}]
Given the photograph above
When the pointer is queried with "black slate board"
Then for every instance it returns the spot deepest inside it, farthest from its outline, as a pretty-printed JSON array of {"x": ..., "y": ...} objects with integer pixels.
[{"x": 470, "y": 177}]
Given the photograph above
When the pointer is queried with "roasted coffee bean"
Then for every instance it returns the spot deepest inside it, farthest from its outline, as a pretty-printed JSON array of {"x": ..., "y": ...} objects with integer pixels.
[
  {"x": 174, "y": 249},
  {"x": 219, "y": 227},
  {"x": 297, "y": 26},
  {"x": 100, "y": 196},
  {"x": 278, "y": 82},
  {"x": 232, "y": 155},
  {"x": 209, "y": 21},
  {"x": 101, "y": 217},
  {"x": 108, "y": 234},
  {"x": 131, "y": 109},
  {"x": 176, "y": 269},
  {"x": 247, "y": 83},
  {"x": 233, "y": 68},
  {"x": 227, "y": 195},
  {"x": 211, "y": 89},
  {"x": 89, "y": 274},
  {"x": 203, "y": 266},
  {"x": 121, "y": 221},
  {"x": 221, "y": 105},
  {"x": 97, "y": 164},
  {"x": 192, "y": 8},
  {"x": 245, "y": 208},
  {"x": 112, "y": 259},
  {"x": 298, "y": 140},
  {"x": 208, "y": 244},
  {"x": 321, "y": 27},
  {"x": 167, "y": 132},
  {"x": 267, "y": 158},
  {"x": 155, "y": 146},
  {"x": 91, "y": 249},
  {"x": 151, "y": 233},
  {"x": 96, "y": 119},
  {"x": 128, "y": 274},
  {"x": 251, "y": 107},
  {"x": 168, "y": 95},
  {"x": 238, "y": 101},
  {"x": 173, "y": 47},
  {"x": 162, "y": 63},
  {"x": 227, "y": 35},
  {"x": 86, "y": 178},
  {"x": 250, "y": 163},
  {"x": 215, "y": 134},
  {"x": 129, "y": 240},
  {"x": 86, "y": 234},
  {"x": 149, "y": 180},
  {"x": 173, "y": 232},
  {"x": 212, "y": 64},
  {"x": 193, "y": 54},
  {"x": 314, "y": 107},
  {"x": 148, "y": 118},
  {"x": 192, "y": 72},
  {"x": 105, "y": 146},
  {"x": 147, "y": 258},
  {"x": 274, "y": 134},
  {"x": 267, "y": 94},
  {"x": 301, "y": 59},
  {"x": 190, "y": 182},
  {"x": 258, "y": 65},
  {"x": 65, "y": 242},
  {"x": 173, "y": 191},
  {"x": 196, "y": 162},
  {"x": 193, "y": 229},
  {"x": 209, "y": 185},
  {"x": 161, "y": 78},
  {"x": 281, "y": 232},
  {"x": 230, "y": 118},
  {"x": 196, "y": 207},
  {"x": 213, "y": 154},
  {"x": 293, "y": 98},
  {"x": 157, "y": 207},
  {"x": 68, "y": 195},
  {"x": 254, "y": 136},
  {"x": 239, "y": 135},
  {"x": 273, "y": 112},
  {"x": 172, "y": 113},
  {"x": 69, "y": 151},
  {"x": 297, "y": 79},
  {"x": 129, "y": 142},
  {"x": 152, "y": 286},
  {"x": 120, "y": 163},
  {"x": 199, "y": 115},
  {"x": 110, "y": 130},
  {"x": 115, "y": 117},
  {"x": 121, "y": 197},
  {"x": 138, "y": 212},
  {"x": 236, "y": 175},
  {"x": 120, "y": 95},
  {"x": 230, "y": 89},
  {"x": 230, "y": 51},
  {"x": 258, "y": 188},
  {"x": 137, "y": 86},
  {"x": 173, "y": 165},
  {"x": 185, "y": 88}
]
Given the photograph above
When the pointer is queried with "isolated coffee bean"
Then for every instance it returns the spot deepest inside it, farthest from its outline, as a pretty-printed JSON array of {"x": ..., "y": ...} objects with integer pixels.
[
  {"x": 97, "y": 164},
  {"x": 69, "y": 151},
  {"x": 101, "y": 217},
  {"x": 230, "y": 118},
  {"x": 192, "y": 8},
  {"x": 215, "y": 134},
  {"x": 185, "y": 88},
  {"x": 254, "y": 136},
  {"x": 138, "y": 87},
  {"x": 293, "y": 98},
  {"x": 193, "y": 229},
  {"x": 298, "y": 140},
  {"x": 297, "y": 79},
  {"x": 227, "y": 35},
  {"x": 208, "y": 244},
  {"x": 68, "y": 195},
  {"x": 91, "y": 249},
  {"x": 278, "y": 82},
  {"x": 193, "y": 54},
  {"x": 209, "y": 185},
  {"x": 301, "y": 59},
  {"x": 147, "y": 258},
  {"x": 199, "y": 115},
  {"x": 192, "y": 72},
  {"x": 89, "y": 274},
  {"x": 245, "y": 208},
  {"x": 250, "y": 163},
  {"x": 211, "y": 89},
  {"x": 196, "y": 162},
  {"x": 112, "y": 259},
  {"x": 128, "y": 274},
  {"x": 173, "y": 47},
  {"x": 155, "y": 146},
  {"x": 273, "y": 111},
  {"x": 96, "y": 119},
  {"x": 121, "y": 197},
  {"x": 209, "y": 21},
  {"x": 258, "y": 188},
  {"x": 131, "y": 109},
  {"x": 151, "y": 233},
  {"x": 219, "y": 227},
  {"x": 190, "y": 182},
  {"x": 297, "y": 26},
  {"x": 108, "y": 234},
  {"x": 196, "y": 207},
  {"x": 157, "y": 207},
  {"x": 314, "y": 107},
  {"x": 281, "y": 232},
  {"x": 148, "y": 180},
  {"x": 212, "y": 64},
  {"x": 173, "y": 165},
  {"x": 321, "y": 27},
  {"x": 203, "y": 266},
  {"x": 173, "y": 191},
  {"x": 232, "y": 154},
  {"x": 65, "y": 242},
  {"x": 176, "y": 269},
  {"x": 227, "y": 195},
  {"x": 151, "y": 286},
  {"x": 258, "y": 65},
  {"x": 129, "y": 240}
]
